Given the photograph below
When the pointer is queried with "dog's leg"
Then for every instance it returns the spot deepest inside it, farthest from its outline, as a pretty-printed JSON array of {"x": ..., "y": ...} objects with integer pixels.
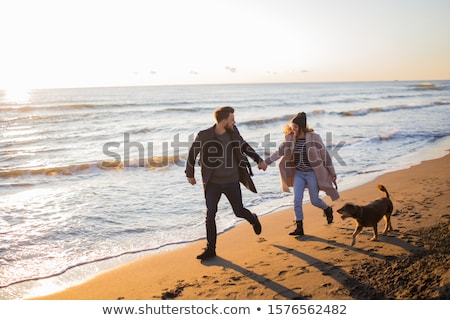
[
  {"x": 375, "y": 233},
  {"x": 355, "y": 233},
  {"x": 387, "y": 219}
]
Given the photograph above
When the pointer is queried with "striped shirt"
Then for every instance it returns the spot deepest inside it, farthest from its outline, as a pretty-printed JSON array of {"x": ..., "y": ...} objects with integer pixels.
[{"x": 301, "y": 157}]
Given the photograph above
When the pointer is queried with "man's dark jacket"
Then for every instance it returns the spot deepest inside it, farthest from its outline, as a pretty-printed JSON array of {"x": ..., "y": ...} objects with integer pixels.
[{"x": 209, "y": 147}]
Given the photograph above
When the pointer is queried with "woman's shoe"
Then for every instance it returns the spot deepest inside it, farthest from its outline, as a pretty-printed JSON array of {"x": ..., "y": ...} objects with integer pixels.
[
  {"x": 299, "y": 230},
  {"x": 329, "y": 214}
]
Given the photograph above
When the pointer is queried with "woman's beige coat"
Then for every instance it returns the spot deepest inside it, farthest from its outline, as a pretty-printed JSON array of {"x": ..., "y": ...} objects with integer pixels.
[{"x": 318, "y": 157}]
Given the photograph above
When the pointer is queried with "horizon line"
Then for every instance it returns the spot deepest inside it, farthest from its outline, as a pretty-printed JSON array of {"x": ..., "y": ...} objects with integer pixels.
[{"x": 216, "y": 84}]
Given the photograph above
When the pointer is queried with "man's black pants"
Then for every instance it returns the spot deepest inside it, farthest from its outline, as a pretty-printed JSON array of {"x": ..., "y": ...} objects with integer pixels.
[{"x": 213, "y": 192}]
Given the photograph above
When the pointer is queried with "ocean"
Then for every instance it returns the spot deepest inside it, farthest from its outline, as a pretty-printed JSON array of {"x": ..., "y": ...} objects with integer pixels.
[{"x": 92, "y": 178}]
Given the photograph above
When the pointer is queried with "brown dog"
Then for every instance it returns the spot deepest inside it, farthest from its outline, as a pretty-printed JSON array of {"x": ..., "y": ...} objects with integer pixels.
[{"x": 369, "y": 215}]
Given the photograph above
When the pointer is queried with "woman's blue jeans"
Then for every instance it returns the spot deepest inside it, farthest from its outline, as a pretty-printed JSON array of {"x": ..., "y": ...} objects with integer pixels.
[{"x": 301, "y": 181}]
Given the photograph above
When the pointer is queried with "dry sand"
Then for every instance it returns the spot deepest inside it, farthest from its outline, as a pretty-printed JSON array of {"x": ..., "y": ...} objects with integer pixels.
[{"x": 411, "y": 262}]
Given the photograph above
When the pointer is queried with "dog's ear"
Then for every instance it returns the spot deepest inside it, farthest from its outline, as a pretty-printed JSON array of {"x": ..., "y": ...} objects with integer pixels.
[
  {"x": 350, "y": 207},
  {"x": 346, "y": 206}
]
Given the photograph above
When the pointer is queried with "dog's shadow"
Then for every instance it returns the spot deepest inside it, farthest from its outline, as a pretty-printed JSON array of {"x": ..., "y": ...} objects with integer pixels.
[{"x": 392, "y": 238}]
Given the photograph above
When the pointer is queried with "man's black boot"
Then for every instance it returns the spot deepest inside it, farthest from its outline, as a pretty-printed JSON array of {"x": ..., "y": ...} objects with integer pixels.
[
  {"x": 299, "y": 230},
  {"x": 257, "y": 225},
  {"x": 207, "y": 254}
]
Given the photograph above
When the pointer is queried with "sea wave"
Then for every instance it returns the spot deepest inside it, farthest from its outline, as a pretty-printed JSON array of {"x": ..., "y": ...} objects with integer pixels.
[
  {"x": 394, "y": 135},
  {"x": 401, "y": 135},
  {"x": 442, "y": 102},
  {"x": 179, "y": 108},
  {"x": 266, "y": 120},
  {"x": 55, "y": 107},
  {"x": 16, "y": 119},
  {"x": 347, "y": 113},
  {"x": 366, "y": 111},
  {"x": 141, "y": 130},
  {"x": 15, "y": 185},
  {"x": 155, "y": 162},
  {"x": 53, "y": 171},
  {"x": 190, "y": 110},
  {"x": 184, "y": 106},
  {"x": 76, "y": 106},
  {"x": 427, "y": 86}
]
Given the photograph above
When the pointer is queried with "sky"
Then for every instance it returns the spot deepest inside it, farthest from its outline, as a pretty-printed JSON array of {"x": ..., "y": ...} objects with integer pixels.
[{"x": 66, "y": 43}]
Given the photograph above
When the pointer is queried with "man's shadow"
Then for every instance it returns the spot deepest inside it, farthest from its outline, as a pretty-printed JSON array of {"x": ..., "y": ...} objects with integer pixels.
[{"x": 279, "y": 289}]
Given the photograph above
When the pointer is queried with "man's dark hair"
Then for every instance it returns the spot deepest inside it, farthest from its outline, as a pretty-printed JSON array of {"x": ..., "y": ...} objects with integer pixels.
[{"x": 222, "y": 113}]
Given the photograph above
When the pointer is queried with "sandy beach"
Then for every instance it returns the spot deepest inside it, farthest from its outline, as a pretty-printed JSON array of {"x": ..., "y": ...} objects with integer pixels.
[{"x": 411, "y": 262}]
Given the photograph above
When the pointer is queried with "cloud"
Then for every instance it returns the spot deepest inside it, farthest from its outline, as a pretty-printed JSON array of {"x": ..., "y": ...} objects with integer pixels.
[{"x": 231, "y": 69}]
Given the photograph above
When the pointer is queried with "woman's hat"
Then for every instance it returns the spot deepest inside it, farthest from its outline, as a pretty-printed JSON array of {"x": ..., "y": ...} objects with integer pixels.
[{"x": 300, "y": 119}]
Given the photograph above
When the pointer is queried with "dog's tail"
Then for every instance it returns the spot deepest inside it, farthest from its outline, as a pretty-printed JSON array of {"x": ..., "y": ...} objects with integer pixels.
[{"x": 383, "y": 189}]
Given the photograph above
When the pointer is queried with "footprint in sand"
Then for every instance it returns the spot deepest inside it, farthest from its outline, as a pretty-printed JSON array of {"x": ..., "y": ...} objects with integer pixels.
[
  {"x": 328, "y": 248},
  {"x": 446, "y": 216},
  {"x": 302, "y": 271},
  {"x": 282, "y": 272},
  {"x": 236, "y": 278}
]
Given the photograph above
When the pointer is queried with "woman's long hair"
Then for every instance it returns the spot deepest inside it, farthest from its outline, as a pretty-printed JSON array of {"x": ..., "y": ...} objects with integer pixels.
[{"x": 288, "y": 128}]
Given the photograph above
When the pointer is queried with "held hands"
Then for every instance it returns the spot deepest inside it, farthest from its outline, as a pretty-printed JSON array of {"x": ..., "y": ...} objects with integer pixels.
[{"x": 262, "y": 166}]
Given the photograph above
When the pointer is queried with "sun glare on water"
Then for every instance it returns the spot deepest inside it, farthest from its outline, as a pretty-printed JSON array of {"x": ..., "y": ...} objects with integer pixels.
[{"x": 16, "y": 95}]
